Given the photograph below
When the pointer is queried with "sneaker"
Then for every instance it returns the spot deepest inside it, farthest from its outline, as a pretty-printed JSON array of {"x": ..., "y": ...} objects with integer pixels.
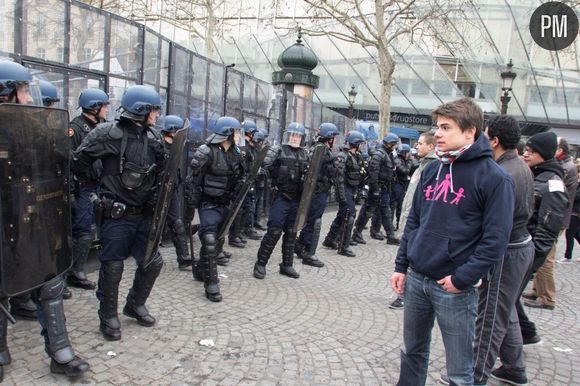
[
  {"x": 531, "y": 340},
  {"x": 565, "y": 261},
  {"x": 397, "y": 303},
  {"x": 510, "y": 377},
  {"x": 444, "y": 379}
]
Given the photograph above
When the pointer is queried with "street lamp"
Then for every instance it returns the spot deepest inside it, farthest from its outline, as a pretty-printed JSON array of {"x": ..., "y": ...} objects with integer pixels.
[
  {"x": 507, "y": 78},
  {"x": 351, "y": 99}
]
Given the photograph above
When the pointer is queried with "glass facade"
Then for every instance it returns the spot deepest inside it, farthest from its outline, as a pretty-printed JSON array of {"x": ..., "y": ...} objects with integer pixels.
[{"x": 76, "y": 46}]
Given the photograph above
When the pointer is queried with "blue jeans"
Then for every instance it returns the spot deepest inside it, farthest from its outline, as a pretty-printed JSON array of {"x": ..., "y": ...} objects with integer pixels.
[{"x": 425, "y": 301}]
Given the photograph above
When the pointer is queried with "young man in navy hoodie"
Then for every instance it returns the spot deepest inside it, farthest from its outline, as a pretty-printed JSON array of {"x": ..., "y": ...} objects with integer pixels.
[{"x": 456, "y": 232}]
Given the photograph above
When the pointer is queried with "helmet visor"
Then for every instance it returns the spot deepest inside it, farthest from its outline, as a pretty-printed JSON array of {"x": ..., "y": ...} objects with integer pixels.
[
  {"x": 293, "y": 139},
  {"x": 239, "y": 137}
]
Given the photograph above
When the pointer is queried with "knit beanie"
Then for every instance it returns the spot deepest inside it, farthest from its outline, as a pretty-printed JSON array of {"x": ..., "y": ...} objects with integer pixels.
[{"x": 544, "y": 143}]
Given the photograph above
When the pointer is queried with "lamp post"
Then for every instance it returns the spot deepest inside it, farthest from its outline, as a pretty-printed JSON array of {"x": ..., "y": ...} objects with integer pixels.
[
  {"x": 507, "y": 78},
  {"x": 351, "y": 99},
  {"x": 226, "y": 86}
]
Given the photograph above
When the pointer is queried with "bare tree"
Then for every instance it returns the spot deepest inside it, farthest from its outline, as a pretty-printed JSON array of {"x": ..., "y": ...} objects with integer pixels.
[{"x": 377, "y": 24}]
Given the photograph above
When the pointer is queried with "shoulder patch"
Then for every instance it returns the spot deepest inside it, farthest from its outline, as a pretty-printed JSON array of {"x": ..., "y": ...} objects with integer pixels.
[
  {"x": 70, "y": 132},
  {"x": 115, "y": 132},
  {"x": 556, "y": 186}
]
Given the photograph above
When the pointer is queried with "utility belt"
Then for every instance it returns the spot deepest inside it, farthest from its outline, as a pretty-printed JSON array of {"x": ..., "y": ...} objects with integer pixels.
[{"x": 106, "y": 207}]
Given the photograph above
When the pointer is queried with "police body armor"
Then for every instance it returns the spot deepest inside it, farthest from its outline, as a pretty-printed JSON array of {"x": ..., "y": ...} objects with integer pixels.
[
  {"x": 131, "y": 171},
  {"x": 381, "y": 165},
  {"x": 287, "y": 177},
  {"x": 328, "y": 172},
  {"x": 36, "y": 228},
  {"x": 353, "y": 170},
  {"x": 79, "y": 127},
  {"x": 219, "y": 181}
]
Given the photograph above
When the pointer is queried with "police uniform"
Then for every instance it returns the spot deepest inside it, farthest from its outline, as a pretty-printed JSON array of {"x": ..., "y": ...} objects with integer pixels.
[
  {"x": 133, "y": 157},
  {"x": 216, "y": 173},
  {"x": 350, "y": 166},
  {"x": 286, "y": 166}
]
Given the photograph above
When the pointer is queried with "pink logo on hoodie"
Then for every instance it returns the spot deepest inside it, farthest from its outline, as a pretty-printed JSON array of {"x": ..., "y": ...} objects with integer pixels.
[{"x": 441, "y": 190}]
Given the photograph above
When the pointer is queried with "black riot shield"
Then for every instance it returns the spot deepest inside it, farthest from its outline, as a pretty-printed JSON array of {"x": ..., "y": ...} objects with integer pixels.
[
  {"x": 236, "y": 204},
  {"x": 34, "y": 175},
  {"x": 169, "y": 177},
  {"x": 308, "y": 187}
]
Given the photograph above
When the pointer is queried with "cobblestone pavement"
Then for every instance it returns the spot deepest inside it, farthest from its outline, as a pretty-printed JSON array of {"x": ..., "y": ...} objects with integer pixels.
[{"x": 330, "y": 327}]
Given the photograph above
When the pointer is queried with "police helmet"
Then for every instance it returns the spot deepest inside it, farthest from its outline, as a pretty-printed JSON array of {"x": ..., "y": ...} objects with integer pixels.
[
  {"x": 223, "y": 129},
  {"x": 140, "y": 101},
  {"x": 172, "y": 123},
  {"x": 48, "y": 92},
  {"x": 391, "y": 139},
  {"x": 249, "y": 127},
  {"x": 404, "y": 148},
  {"x": 355, "y": 138},
  {"x": 12, "y": 75},
  {"x": 264, "y": 132},
  {"x": 258, "y": 136},
  {"x": 295, "y": 127},
  {"x": 327, "y": 130},
  {"x": 93, "y": 99}
]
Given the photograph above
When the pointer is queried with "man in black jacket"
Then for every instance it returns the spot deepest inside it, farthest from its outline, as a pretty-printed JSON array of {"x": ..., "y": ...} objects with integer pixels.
[{"x": 551, "y": 203}]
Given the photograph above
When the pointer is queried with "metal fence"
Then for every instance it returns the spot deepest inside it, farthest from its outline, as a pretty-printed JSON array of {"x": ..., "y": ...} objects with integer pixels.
[{"x": 76, "y": 46}]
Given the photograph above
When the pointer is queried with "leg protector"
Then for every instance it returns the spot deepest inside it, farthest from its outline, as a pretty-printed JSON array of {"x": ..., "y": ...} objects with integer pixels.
[
  {"x": 311, "y": 258},
  {"x": 179, "y": 238},
  {"x": 222, "y": 257},
  {"x": 110, "y": 276},
  {"x": 344, "y": 245},
  {"x": 286, "y": 267},
  {"x": 138, "y": 294},
  {"x": 77, "y": 276},
  {"x": 57, "y": 343},
  {"x": 265, "y": 251},
  {"x": 208, "y": 263}
]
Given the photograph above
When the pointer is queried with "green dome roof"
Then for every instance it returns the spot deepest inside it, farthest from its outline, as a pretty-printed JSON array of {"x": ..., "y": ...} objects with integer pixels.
[{"x": 298, "y": 56}]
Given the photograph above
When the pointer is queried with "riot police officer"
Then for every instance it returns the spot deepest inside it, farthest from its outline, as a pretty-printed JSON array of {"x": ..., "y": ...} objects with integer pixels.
[
  {"x": 48, "y": 93},
  {"x": 380, "y": 171},
  {"x": 350, "y": 165},
  {"x": 328, "y": 176},
  {"x": 174, "y": 222},
  {"x": 95, "y": 106},
  {"x": 401, "y": 181},
  {"x": 250, "y": 150},
  {"x": 261, "y": 137},
  {"x": 14, "y": 88},
  {"x": 286, "y": 166},
  {"x": 133, "y": 156},
  {"x": 216, "y": 174}
]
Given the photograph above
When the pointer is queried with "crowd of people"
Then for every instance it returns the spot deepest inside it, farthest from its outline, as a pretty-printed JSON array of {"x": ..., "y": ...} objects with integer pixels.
[{"x": 445, "y": 203}]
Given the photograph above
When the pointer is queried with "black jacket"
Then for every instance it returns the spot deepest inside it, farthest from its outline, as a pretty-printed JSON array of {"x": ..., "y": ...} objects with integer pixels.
[{"x": 551, "y": 203}]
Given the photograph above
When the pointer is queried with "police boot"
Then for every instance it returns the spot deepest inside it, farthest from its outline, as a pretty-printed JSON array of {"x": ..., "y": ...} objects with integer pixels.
[
  {"x": 376, "y": 233},
  {"x": 310, "y": 258},
  {"x": 57, "y": 345},
  {"x": 387, "y": 221},
  {"x": 357, "y": 237},
  {"x": 66, "y": 294},
  {"x": 77, "y": 276},
  {"x": 23, "y": 307},
  {"x": 251, "y": 233},
  {"x": 142, "y": 286},
  {"x": 299, "y": 249},
  {"x": 260, "y": 219},
  {"x": 223, "y": 257},
  {"x": 108, "y": 294},
  {"x": 209, "y": 267},
  {"x": 5, "y": 358},
  {"x": 179, "y": 239},
  {"x": 267, "y": 245},
  {"x": 346, "y": 235},
  {"x": 330, "y": 241},
  {"x": 286, "y": 267},
  {"x": 196, "y": 270}
]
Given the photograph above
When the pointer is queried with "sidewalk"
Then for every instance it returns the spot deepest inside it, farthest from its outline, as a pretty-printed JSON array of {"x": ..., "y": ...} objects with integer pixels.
[{"x": 332, "y": 326}]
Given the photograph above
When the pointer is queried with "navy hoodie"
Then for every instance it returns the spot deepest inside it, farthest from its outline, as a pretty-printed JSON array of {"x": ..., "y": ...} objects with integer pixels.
[{"x": 460, "y": 220}]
